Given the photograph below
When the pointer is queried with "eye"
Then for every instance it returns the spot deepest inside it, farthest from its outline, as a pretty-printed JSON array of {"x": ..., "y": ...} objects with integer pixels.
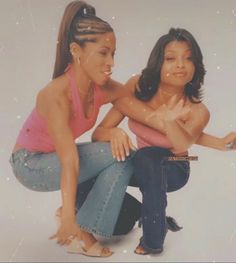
[
  {"x": 169, "y": 58},
  {"x": 103, "y": 53},
  {"x": 189, "y": 58}
]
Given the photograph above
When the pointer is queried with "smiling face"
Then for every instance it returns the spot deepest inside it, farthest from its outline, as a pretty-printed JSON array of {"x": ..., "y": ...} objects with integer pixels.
[
  {"x": 97, "y": 58},
  {"x": 177, "y": 68}
]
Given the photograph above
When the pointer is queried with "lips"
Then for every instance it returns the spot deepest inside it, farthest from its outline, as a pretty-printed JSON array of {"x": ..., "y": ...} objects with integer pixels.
[
  {"x": 107, "y": 73},
  {"x": 180, "y": 74}
]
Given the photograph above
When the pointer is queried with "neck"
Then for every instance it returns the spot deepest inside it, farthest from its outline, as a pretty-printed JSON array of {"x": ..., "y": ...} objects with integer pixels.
[
  {"x": 82, "y": 80},
  {"x": 166, "y": 92}
]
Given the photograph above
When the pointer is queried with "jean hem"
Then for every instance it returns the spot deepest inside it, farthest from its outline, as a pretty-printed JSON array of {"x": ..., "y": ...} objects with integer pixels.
[
  {"x": 94, "y": 231},
  {"x": 150, "y": 250}
]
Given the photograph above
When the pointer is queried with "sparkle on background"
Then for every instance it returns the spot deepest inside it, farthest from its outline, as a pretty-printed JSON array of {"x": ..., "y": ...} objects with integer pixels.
[
  {"x": 18, "y": 117},
  {"x": 218, "y": 67},
  {"x": 31, "y": 16},
  {"x": 233, "y": 235},
  {"x": 1, "y": 48},
  {"x": 16, "y": 249},
  {"x": 233, "y": 165},
  {"x": 234, "y": 12},
  {"x": 217, "y": 12},
  {"x": 113, "y": 17},
  {"x": 124, "y": 251}
]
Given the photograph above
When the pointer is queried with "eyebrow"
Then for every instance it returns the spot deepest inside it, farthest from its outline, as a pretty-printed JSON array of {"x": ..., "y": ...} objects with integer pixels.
[{"x": 174, "y": 51}]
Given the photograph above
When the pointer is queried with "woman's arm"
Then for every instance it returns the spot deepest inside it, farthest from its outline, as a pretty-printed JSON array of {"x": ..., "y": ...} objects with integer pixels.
[
  {"x": 183, "y": 134},
  {"x": 225, "y": 143},
  {"x": 123, "y": 99},
  {"x": 55, "y": 109},
  {"x": 128, "y": 105},
  {"x": 107, "y": 131}
]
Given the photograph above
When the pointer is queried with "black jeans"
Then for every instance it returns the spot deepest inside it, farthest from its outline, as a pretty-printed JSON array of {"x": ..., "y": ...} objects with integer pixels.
[{"x": 156, "y": 176}]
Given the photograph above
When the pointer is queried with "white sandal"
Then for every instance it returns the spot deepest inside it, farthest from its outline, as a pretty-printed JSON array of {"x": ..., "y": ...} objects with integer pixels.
[
  {"x": 77, "y": 246},
  {"x": 96, "y": 250}
]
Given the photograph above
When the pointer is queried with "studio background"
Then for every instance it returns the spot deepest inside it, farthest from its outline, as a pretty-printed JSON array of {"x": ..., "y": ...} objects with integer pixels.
[{"x": 205, "y": 207}]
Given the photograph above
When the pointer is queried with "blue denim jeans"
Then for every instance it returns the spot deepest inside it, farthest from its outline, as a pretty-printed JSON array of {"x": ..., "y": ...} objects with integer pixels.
[
  {"x": 40, "y": 171},
  {"x": 156, "y": 176}
]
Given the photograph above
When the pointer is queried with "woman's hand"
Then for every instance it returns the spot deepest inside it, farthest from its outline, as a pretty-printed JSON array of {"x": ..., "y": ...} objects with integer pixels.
[
  {"x": 121, "y": 144},
  {"x": 172, "y": 111},
  {"x": 67, "y": 230},
  {"x": 228, "y": 142}
]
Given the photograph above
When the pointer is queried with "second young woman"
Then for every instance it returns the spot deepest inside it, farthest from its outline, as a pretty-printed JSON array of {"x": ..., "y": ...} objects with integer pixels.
[{"x": 171, "y": 85}]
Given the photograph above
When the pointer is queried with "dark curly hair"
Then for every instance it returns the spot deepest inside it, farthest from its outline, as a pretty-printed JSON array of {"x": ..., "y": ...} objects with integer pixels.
[{"x": 149, "y": 80}]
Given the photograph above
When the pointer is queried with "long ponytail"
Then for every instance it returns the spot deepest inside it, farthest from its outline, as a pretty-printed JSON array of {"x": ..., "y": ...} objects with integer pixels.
[{"x": 79, "y": 19}]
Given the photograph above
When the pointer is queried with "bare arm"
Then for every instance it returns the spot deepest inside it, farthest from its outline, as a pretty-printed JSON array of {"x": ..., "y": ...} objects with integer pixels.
[
  {"x": 56, "y": 111},
  {"x": 183, "y": 134},
  {"x": 225, "y": 143},
  {"x": 130, "y": 106},
  {"x": 108, "y": 131}
]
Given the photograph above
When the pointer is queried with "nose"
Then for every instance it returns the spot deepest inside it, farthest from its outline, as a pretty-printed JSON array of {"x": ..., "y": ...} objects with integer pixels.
[
  {"x": 180, "y": 63},
  {"x": 110, "y": 61}
]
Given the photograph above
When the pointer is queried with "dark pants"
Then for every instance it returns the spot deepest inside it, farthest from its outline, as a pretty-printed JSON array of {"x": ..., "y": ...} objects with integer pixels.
[{"x": 156, "y": 176}]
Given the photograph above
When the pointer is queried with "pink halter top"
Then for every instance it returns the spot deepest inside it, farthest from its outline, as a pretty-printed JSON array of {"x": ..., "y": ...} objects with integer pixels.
[{"x": 34, "y": 134}]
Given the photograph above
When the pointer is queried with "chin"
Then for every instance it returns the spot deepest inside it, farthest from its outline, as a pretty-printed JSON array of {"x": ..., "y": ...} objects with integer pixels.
[{"x": 101, "y": 82}]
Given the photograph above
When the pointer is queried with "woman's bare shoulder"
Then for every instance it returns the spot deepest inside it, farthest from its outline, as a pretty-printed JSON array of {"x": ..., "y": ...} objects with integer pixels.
[
  {"x": 56, "y": 91},
  {"x": 132, "y": 82},
  {"x": 200, "y": 110}
]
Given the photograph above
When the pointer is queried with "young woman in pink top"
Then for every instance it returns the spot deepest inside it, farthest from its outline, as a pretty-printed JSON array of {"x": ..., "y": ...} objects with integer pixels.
[
  {"x": 46, "y": 157},
  {"x": 171, "y": 85}
]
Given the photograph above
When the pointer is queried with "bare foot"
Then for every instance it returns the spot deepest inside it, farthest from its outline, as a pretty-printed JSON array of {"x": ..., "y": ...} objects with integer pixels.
[
  {"x": 87, "y": 238},
  {"x": 140, "y": 250}
]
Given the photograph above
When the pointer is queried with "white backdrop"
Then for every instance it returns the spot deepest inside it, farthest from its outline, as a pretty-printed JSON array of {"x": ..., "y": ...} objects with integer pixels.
[{"x": 206, "y": 206}]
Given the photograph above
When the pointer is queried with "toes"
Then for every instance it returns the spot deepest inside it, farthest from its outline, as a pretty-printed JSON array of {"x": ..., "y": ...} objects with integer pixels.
[
  {"x": 140, "y": 250},
  {"x": 106, "y": 251}
]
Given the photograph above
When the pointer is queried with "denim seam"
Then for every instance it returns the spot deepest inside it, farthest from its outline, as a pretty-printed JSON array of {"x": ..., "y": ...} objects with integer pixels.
[
  {"x": 101, "y": 212},
  {"x": 107, "y": 200}
]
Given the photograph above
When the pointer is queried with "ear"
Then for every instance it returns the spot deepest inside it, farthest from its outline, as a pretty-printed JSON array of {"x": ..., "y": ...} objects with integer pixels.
[{"x": 75, "y": 50}]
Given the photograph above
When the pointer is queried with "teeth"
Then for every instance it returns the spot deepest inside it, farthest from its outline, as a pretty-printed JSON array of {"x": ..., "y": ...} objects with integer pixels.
[{"x": 107, "y": 72}]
